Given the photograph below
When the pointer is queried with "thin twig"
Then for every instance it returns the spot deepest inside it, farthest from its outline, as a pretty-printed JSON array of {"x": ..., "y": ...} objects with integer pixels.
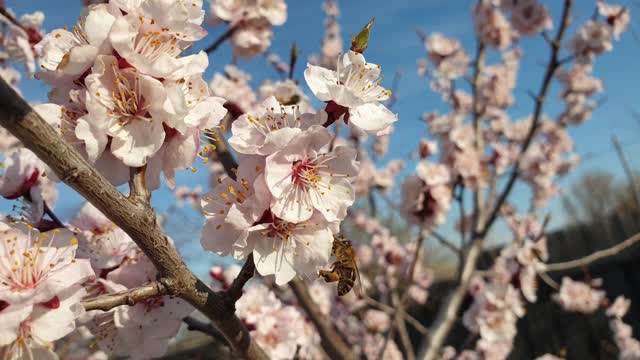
[
  {"x": 627, "y": 171},
  {"x": 446, "y": 243},
  {"x": 204, "y": 327},
  {"x": 234, "y": 292},
  {"x": 128, "y": 297},
  {"x": 220, "y": 40},
  {"x": 390, "y": 310},
  {"x": 52, "y": 215},
  {"x": 400, "y": 304},
  {"x": 293, "y": 59},
  {"x": 224, "y": 154},
  {"x": 478, "y": 195},
  {"x": 404, "y": 335},
  {"x": 584, "y": 261}
]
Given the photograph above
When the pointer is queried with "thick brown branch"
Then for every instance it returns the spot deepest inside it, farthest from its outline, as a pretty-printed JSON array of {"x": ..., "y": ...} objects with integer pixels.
[
  {"x": 449, "y": 313},
  {"x": 589, "y": 259},
  {"x": 137, "y": 219},
  {"x": 129, "y": 297},
  {"x": 332, "y": 342}
]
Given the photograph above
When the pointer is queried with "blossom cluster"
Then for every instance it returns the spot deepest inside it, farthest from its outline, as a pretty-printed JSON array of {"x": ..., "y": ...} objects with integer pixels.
[
  {"x": 251, "y": 22},
  {"x": 124, "y": 95},
  {"x": 498, "y": 301}
]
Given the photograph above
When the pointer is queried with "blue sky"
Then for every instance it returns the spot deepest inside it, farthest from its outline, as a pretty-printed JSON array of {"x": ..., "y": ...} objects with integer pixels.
[{"x": 395, "y": 46}]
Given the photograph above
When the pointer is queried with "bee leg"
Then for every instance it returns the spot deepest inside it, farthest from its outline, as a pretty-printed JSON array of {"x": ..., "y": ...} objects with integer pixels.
[{"x": 329, "y": 276}]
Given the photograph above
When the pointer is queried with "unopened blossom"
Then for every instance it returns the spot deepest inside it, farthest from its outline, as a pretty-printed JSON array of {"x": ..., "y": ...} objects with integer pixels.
[
  {"x": 578, "y": 296},
  {"x": 616, "y": 16},
  {"x": 65, "y": 55},
  {"x": 427, "y": 148},
  {"x": 353, "y": 92},
  {"x": 271, "y": 127},
  {"x": 529, "y": 17},
  {"x": 303, "y": 176},
  {"x": 28, "y": 331},
  {"x": 493, "y": 28},
  {"x": 36, "y": 267},
  {"x": 105, "y": 244}
]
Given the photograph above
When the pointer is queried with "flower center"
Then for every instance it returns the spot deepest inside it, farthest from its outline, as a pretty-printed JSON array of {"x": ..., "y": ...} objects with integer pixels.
[
  {"x": 306, "y": 174},
  {"x": 280, "y": 229},
  {"x": 128, "y": 102},
  {"x": 152, "y": 44}
]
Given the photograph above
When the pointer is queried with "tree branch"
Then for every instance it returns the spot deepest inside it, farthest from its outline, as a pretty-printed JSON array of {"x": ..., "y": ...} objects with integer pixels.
[
  {"x": 56, "y": 220},
  {"x": 224, "y": 154},
  {"x": 584, "y": 261},
  {"x": 204, "y": 327},
  {"x": 136, "y": 219},
  {"x": 234, "y": 292},
  {"x": 449, "y": 313},
  {"x": 332, "y": 342},
  {"x": 128, "y": 297},
  {"x": 552, "y": 66}
]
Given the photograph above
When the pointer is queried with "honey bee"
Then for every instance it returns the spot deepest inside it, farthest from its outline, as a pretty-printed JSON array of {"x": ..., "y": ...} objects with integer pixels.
[{"x": 345, "y": 269}]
